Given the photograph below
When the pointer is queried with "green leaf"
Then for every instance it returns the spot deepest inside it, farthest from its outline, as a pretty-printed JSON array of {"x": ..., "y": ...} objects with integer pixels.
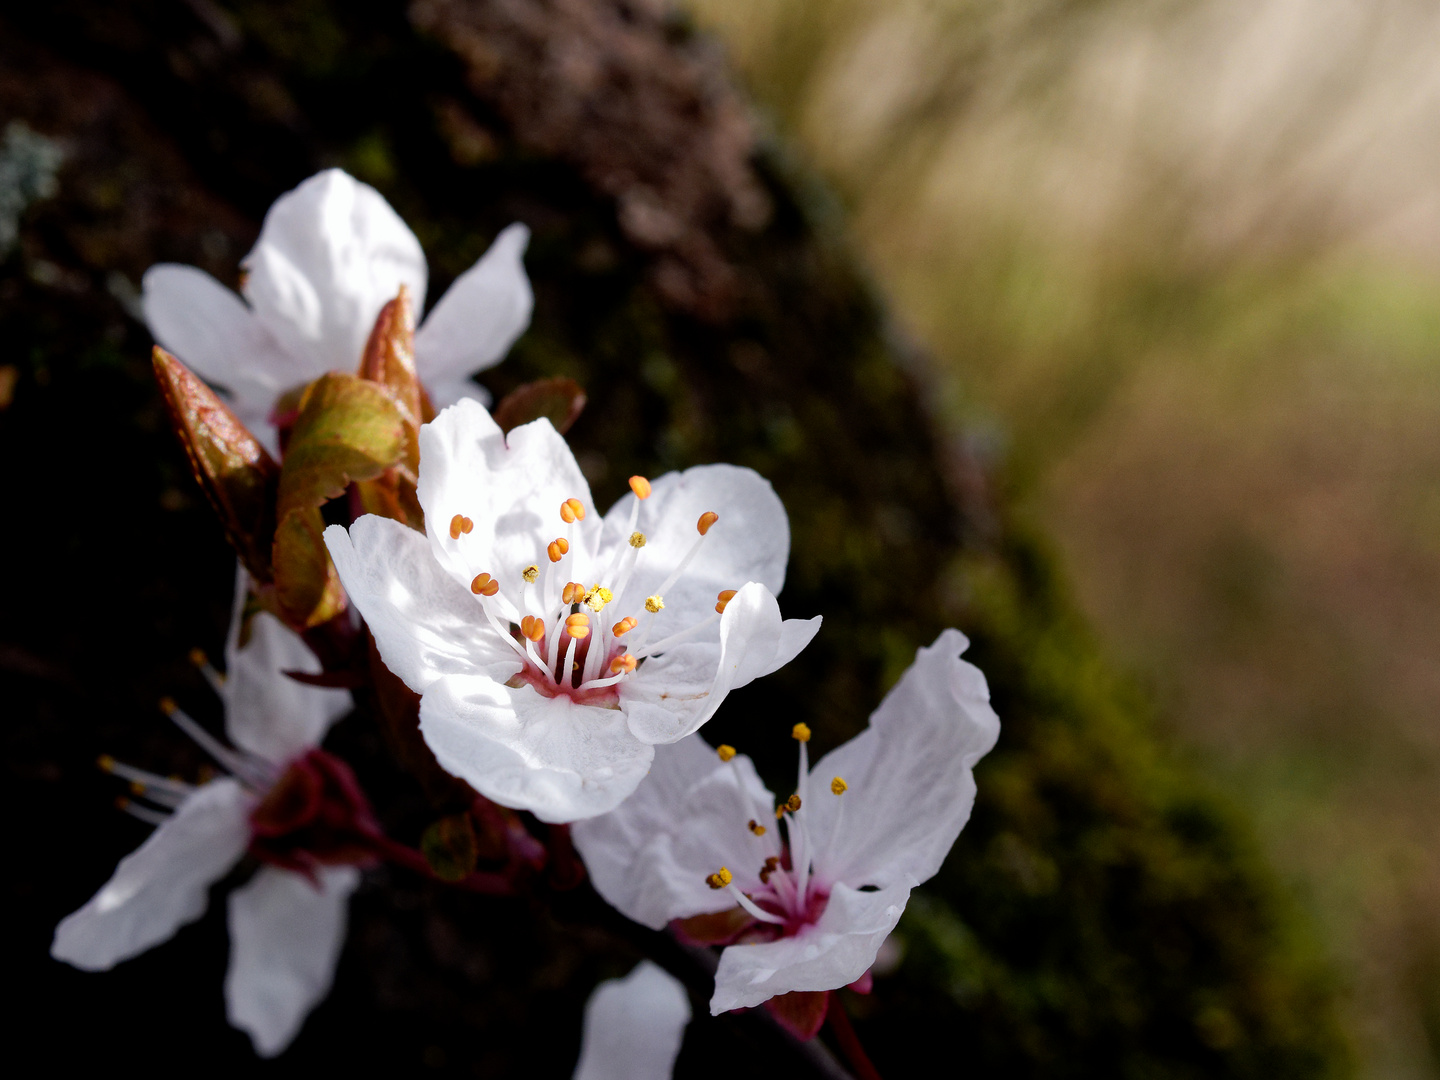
[
  {"x": 307, "y": 589},
  {"x": 450, "y": 847},
  {"x": 348, "y": 429}
]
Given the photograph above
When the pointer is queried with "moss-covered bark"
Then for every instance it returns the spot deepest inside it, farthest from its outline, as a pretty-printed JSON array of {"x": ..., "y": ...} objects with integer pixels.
[{"x": 1101, "y": 915}]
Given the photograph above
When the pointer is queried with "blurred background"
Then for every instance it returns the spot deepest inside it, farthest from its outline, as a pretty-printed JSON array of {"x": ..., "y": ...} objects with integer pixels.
[
  {"x": 1178, "y": 265},
  {"x": 1181, "y": 264}
]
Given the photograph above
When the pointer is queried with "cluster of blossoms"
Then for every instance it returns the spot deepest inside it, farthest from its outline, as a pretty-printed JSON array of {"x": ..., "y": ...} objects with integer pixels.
[{"x": 558, "y": 661}]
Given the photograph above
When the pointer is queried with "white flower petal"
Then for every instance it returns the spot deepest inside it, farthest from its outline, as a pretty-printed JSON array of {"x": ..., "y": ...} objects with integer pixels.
[
  {"x": 749, "y": 542},
  {"x": 425, "y": 625},
  {"x": 331, "y": 253},
  {"x": 634, "y": 1026},
  {"x": 267, "y": 712},
  {"x": 650, "y": 856},
  {"x": 833, "y": 953},
  {"x": 474, "y": 324},
  {"x": 559, "y": 760},
  {"x": 285, "y": 939},
  {"x": 911, "y": 787},
  {"x": 669, "y": 698},
  {"x": 511, "y": 487},
  {"x": 214, "y": 334},
  {"x": 162, "y": 884}
]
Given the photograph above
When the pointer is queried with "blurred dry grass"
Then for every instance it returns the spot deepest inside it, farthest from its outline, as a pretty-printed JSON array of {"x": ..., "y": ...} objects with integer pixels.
[{"x": 1184, "y": 260}]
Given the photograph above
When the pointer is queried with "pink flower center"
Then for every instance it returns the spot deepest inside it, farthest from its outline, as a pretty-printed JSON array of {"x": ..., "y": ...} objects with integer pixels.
[{"x": 577, "y": 640}]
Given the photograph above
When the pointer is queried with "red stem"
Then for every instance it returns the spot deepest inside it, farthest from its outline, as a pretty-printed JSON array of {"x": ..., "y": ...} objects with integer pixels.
[
  {"x": 848, "y": 1040},
  {"x": 487, "y": 884}
]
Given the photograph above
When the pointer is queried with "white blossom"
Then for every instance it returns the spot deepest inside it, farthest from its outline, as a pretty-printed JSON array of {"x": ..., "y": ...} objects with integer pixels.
[
  {"x": 331, "y": 254},
  {"x": 634, "y": 1026},
  {"x": 873, "y": 820},
  {"x": 287, "y": 924},
  {"x": 554, "y": 649}
]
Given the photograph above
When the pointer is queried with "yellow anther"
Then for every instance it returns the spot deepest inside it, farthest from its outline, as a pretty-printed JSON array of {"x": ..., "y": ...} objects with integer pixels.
[
  {"x": 168, "y": 706},
  {"x": 106, "y": 763},
  {"x": 460, "y": 524},
  {"x": 726, "y": 751},
  {"x": 800, "y": 733},
  {"x": 779, "y": 811},
  {"x": 198, "y": 657},
  {"x": 637, "y": 540},
  {"x": 623, "y": 664},
  {"x": 532, "y": 629},
  {"x": 558, "y": 549},
  {"x": 755, "y": 827},
  {"x": 838, "y": 786},
  {"x": 598, "y": 597},
  {"x": 640, "y": 486},
  {"x": 530, "y": 573},
  {"x": 723, "y": 599},
  {"x": 571, "y": 511},
  {"x": 708, "y": 518},
  {"x": 137, "y": 788},
  {"x": 792, "y": 803},
  {"x": 578, "y": 625},
  {"x": 654, "y": 603},
  {"x": 484, "y": 585},
  {"x": 624, "y": 626},
  {"x": 720, "y": 878}
]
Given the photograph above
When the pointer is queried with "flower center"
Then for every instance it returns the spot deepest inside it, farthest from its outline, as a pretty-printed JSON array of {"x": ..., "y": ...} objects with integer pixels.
[
  {"x": 566, "y": 631},
  {"x": 788, "y": 895}
]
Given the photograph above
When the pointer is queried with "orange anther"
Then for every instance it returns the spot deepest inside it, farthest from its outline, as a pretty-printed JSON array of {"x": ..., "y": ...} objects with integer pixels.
[
  {"x": 640, "y": 486},
  {"x": 578, "y": 625},
  {"x": 708, "y": 518},
  {"x": 624, "y": 626},
  {"x": 532, "y": 628},
  {"x": 571, "y": 511},
  {"x": 484, "y": 585},
  {"x": 625, "y": 663},
  {"x": 558, "y": 549},
  {"x": 756, "y": 828},
  {"x": 723, "y": 599},
  {"x": 460, "y": 524},
  {"x": 793, "y": 803}
]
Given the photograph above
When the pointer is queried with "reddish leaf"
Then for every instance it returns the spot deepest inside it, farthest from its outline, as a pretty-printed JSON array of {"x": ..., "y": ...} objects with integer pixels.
[
  {"x": 559, "y": 400},
  {"x": 801, "y": 1012},
  {"x": 236, "y": 473},
  {"x": 718, "y": 928}
]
